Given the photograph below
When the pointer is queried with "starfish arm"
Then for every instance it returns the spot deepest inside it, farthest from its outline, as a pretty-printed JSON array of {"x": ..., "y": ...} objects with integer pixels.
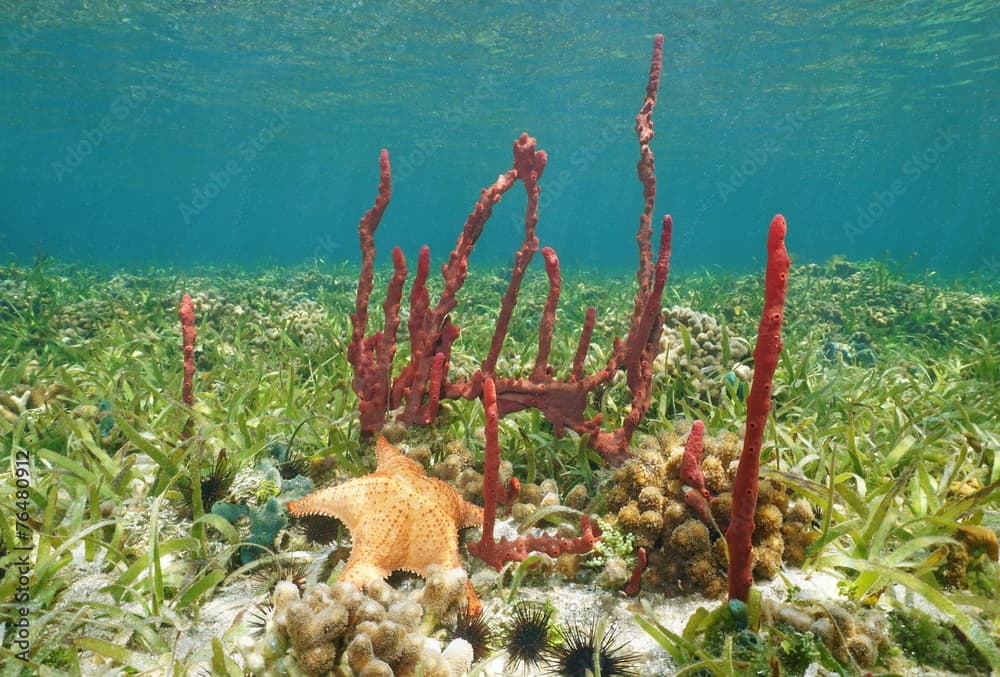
[
  {"x": 433, "y": 537},
  {"x": 361, "y": 573},
  {"x": 470, "y": 515},
  {"x": 350, "y": 502},
  {"x": 390, "y": 461},
  {"x": 326, "y": 502},
  {"x": 446, "y": 497}
]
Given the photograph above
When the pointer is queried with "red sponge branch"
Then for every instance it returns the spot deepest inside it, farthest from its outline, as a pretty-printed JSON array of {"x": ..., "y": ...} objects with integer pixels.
[
  {"x": 647, "y": 173},
  {"x": 765, "y": 357},
  {"x": 497, "y": 553},
  {"x": 546, "y": 326},
  {"x": 188, "y": 336},
  {"x": 586, "y": 333},
  {"x": 421, "y": 383},
  {"x": 529, "y": 165},
  {"x": 369, "y": 381},
  {"x": 697, "y": 496},
  {"x": 690, "y": 470},
  {"x": 634, "y": 583}
]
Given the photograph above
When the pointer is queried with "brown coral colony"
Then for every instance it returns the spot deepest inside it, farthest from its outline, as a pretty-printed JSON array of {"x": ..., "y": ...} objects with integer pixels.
[{"x": 650, "y": 497}]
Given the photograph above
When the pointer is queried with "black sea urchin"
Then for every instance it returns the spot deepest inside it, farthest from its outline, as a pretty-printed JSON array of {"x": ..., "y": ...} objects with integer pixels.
[
  {"x": 582, "y": 647},
  {"x": 214, "y": 484},
  {"x": 282, "y": 568},
  {"x": 529, "y": 635},
  {"x": 477, "y": 630},
  {"x": 289, "y": 464},
  {"x": 256, "y": 617}
]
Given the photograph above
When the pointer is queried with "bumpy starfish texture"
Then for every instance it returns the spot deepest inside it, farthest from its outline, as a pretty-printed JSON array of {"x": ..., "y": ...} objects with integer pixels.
[{"x": 399, "y": 518}]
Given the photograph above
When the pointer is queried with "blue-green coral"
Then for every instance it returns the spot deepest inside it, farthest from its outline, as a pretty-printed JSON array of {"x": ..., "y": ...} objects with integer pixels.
[{"x": 264, "y": 501}]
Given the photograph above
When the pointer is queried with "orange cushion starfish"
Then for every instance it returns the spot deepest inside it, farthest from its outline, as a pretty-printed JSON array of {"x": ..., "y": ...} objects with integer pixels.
[{"x": 399, "y": 518}]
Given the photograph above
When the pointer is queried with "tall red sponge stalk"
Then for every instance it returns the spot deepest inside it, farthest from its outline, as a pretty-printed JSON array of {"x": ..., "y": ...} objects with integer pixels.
[
  {"x": 188, "y": 335},
  {"x": 372, "y": 356},
  {"x": 765, "y": 357}
]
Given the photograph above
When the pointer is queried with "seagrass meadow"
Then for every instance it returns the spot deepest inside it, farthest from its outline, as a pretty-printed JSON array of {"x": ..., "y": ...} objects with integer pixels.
[
  {"x": 244, "y": 434},
  {"x": 145, "y": 535}
]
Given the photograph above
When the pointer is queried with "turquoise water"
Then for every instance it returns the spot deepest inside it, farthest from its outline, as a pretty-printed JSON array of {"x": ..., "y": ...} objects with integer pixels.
[{"x": 248, "y": 132}]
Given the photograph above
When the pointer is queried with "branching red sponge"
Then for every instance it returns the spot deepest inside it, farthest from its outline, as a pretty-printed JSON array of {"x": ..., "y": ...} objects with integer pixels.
[{"x": 497, "y": 553}]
